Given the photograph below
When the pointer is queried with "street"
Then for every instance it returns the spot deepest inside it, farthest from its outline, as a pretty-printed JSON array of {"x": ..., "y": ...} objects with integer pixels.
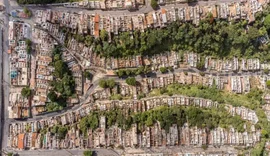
[
  {"x": 145, "y": 9},
  {"x": 65, "y": 152},
  {"x": 4, "y": 75},
  {"x": 120, "y": 80}
]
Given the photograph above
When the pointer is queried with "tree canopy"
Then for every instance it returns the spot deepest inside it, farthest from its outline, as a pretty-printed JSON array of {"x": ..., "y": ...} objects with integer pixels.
[
  {"x": 166, "y": 116},
  {"x": 163, "y": 69},
  {"x": 27, "y": 11},
  {"x": 60, "y": 69},
  {"x": 267, "y": 22},
  {"x": 43, "y": 1},
  {"x": 268, "y": 84},
  {"x": 26, "y": 92},
  {"x": 88, "y": 153},
  {"x": 131, "y": 81},
  {"x": 63, "y": 85},
  {"x": 88, "y": 75},
  {"x": 52, "y": 96},
  {"x": 60, "y": 131},
  {"x": 154, "y": 4},
  {"x": 110, "y": 83},
  {"x": 213, "y": 37}
]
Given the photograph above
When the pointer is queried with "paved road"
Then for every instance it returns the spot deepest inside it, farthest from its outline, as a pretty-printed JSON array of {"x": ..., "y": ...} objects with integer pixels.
[
  {"x": 65, "y": 152},
  {"x": 6, "y": 81},
  {"x": 145, "y": 9},
  {"x": 1, "y": 80},
  {"x": 138, "y": 78}
]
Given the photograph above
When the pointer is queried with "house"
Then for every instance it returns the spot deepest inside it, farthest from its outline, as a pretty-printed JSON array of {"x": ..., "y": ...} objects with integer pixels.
[{"x": 21, "y": 141}]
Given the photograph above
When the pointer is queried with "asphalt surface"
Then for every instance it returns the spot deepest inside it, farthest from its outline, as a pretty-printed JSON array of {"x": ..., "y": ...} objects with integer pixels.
[
  {"x": 120, "y": 80},
  {"x": 65, "y": 152},
  {"x": 5, "y": 81},
  {"x": 145, "y": 9}
]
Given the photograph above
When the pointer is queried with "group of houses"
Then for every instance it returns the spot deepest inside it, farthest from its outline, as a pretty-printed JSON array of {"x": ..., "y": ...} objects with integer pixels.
[
  {"x": 76, "y": 70},
  {"x": 219, "y": 152},
  {"x": 235, "y": 64},
  {"x": 146, "y": 104},
  {"x": 266, "y": 105},
  {"x": 93, "y": 23},
  {"x": 19, "y": 58},
  {"x": 42, "y": 71},
  {"x": 244, "y": 113},
  {"x": 35, "y": 71},
  {"x": 31, "y": 135},
  {"x": 106, "y": 4},
  {"x": 168, "y": 59},
  {"x": 19, "y": 71},
  {"x": 115, "y": 137},
  {"x": 147, "y": 85},
  {"x": 86, "y": 57}
]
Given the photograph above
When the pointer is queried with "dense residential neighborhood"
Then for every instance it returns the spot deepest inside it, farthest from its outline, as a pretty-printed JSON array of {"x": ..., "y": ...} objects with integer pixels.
[{"x": 66, "y": 87}]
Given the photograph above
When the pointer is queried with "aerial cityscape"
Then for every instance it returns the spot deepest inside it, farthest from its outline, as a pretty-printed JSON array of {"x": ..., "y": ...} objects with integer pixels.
[{"x": 135, "y": 77}]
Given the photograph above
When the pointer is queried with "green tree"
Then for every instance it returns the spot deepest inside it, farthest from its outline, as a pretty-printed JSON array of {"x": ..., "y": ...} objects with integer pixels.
[
  {"x": 98, "y": 48},
  {"x": 88, "y": 153},
  {"x": 54, "y": 129},
  {"x": 57, "y": 57},
  {"x": 84, "y": 125},
  {"x": 53, "y": 106},
  {"x": 154, "y": 4},
  {"x": 10, "y": 154},
  {"x": 266, "y": 71},
  {"x": 79, "y": 38},
  {"x": 149, "y": 121},
  {"x": 170, "y": 69},
  {"x": 56, "y": 50},
  {"x": 88, "y": 40},
  {"x": 62, "y": 131},
  {"x": 102, "y": 83},
  {"x": 253, "y": 33},
  {"x": 201, "y": 63},
  {"x": 202, "y": 73},
  {"x": 103, "y": 34},
  {"x": 88, "y": 75},
  {"x": 110, "y": 83},
  {"x": 264, "y": 133},
  {"x": 27, "y": 11},
  {"x": 28, "y": 42},
  {"x": 131, "y": 81},
  {"x": 116, "y": 97},
  {"x": 268, "y": 84},
  {"x": 28, "y": 49},
  {"x": 26, "y": 92},
  {"x": 163, "y": 69},
  {"x": 60, "y": 69},
  {"x": 68, "y": 84},
  {"x": 120, "y": 73},
  {"x": 267, "y": 22},
  {"x": 52, "y": 96},
  {"x": 204, "y": 147}
]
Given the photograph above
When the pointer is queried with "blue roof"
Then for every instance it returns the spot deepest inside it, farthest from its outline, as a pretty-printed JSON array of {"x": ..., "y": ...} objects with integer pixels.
[
  {"x": 14, "y": 14},
  {"x": 13, "y": 74}
]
